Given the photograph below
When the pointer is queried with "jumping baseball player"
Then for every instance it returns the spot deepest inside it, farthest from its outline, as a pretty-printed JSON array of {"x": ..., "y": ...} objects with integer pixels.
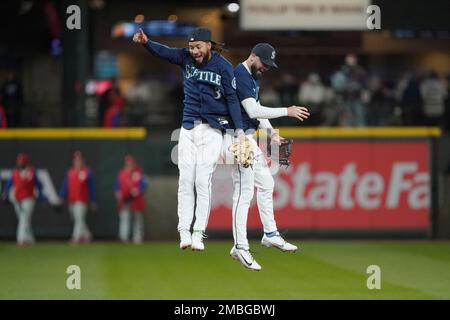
[
  {"x": 21, "y": 189},
  {"x": 247, "y": 74},
  {"x": 78, "y": 189},
  {"x": 210, "y": 107},
  {"x": 129, "y": 191}
]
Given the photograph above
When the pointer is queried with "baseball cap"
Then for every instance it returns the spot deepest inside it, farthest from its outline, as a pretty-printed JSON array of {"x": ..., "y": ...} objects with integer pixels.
[
  {"x": 266, "y": 53},
  {"x": 23, "y": 159},
  {"x": 200, "y": 34}
]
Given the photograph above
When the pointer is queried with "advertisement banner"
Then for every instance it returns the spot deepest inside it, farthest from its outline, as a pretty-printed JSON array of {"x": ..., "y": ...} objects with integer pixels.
[
  {"x": 304, "y": 14},
  {"x": 359, "y": 185}
]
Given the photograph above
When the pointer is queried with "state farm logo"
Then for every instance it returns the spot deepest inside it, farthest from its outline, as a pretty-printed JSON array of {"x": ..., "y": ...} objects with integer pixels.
[
  {"x": 401, "y": 185},
  {"x": 351, "y": 188}
]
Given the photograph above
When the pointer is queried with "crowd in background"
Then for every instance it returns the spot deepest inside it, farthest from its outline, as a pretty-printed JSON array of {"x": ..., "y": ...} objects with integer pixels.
[
  {"x": 354, "y": 97},
  {"x": 348, "y": 97}
]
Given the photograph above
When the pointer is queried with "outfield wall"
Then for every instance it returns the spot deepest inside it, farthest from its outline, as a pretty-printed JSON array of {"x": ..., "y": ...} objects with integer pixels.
[{"x": 344, "y": 182}]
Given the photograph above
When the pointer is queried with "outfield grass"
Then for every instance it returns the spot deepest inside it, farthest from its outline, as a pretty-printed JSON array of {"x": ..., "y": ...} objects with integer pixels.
[{"x": 320, "y": 270}]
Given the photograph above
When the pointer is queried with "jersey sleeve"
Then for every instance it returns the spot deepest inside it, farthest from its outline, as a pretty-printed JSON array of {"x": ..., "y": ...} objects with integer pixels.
[
  {"x": 143, "y": 184},
  {"x": 65, "y": 186},
  {"x": 8, "y": 186},
  {"x": 173, "y": 55},
  {"x": 229, "y": 87},
  {"x": 39, "y": 187},
  {"x": 91, "y": 187}
]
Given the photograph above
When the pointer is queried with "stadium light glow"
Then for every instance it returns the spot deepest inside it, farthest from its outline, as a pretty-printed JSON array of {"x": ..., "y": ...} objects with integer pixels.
[
  {"x": 233, "y": 7},
  {"x": 139, "y": 18}
]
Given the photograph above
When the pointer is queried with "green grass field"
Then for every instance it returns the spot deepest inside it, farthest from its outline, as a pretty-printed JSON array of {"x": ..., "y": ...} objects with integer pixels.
[{"x": 320, "y": 270}]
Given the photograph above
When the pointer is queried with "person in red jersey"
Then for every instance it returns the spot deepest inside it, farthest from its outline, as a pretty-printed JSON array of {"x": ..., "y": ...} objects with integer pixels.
[
  {"x": 129, "y": 190},
  {"x": 21, "y": 188},
  {"x": 79, "y": 191}
]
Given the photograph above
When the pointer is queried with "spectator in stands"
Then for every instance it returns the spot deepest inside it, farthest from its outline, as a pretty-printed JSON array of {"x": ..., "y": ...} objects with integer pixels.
[
  {"x": 312, "y": 94},
  {"x": 114, "y": 116},
  {"x": 410, "y": 99},
  {"x": 269, "y": 96},
  {"x": 379, "y": 107},
  {"x": 3, "y": 121},
  {"x": 107, "y": 99},
  {"x": 354, "y": 108},
  {"x": 447, "y": 104},
  {"x": 11, "y": 91},
  {"x": 433, "y": 91},
  {"x": 288, "y": 90}
]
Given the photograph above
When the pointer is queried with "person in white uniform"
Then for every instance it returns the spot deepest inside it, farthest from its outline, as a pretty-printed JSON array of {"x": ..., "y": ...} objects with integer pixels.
[{"x": 247, "y": 74}]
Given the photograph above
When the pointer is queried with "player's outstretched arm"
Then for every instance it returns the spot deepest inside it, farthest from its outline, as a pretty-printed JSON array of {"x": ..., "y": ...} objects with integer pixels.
[
  {"x": 173, "y": 55},
  {"x": 255, "y": 110}
]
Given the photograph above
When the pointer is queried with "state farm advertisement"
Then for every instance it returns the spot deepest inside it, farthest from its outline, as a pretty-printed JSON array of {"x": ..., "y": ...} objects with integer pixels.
[{"x": 341, "y": 185}]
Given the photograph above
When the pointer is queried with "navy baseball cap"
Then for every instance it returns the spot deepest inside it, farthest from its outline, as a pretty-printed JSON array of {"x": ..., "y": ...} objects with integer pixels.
[
  {"x": 200, "y": 34},
  {"x": 266, "y": 53}
]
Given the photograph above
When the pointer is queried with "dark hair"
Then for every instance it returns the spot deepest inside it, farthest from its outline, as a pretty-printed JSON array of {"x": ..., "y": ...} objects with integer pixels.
[{"x": 218, "y": 47}]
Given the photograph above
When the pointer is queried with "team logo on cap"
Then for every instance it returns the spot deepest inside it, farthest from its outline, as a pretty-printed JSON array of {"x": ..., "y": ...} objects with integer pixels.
[
  {"x": 273, "y": 55},
  {"x": 192, "y": 39}
]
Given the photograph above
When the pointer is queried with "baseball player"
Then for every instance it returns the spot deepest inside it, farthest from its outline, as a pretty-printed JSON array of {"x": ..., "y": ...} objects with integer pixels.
[
  {"x": 247, "y": 74},
  {"x": 129, "y": 191},
  {"x": 21, "y": 189},
  {"x": 78, "y": 189},
  {"x": 210, "y": 107}
]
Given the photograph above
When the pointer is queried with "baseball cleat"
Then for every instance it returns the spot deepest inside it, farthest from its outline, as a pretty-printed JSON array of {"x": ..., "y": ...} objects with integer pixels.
[
  {"x": 185, "y": 239},
  {"x": 197, "y": 241},
  {"x": 245, "y": 258},
  {"x": 277, "y": 241}
]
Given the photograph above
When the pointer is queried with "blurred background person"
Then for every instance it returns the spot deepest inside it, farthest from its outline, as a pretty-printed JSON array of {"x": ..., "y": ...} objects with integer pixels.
[
  {"x": 3, "y": 121},
  {"x": 287, "y": 90},
  {"x": 353, "y": 90},
  {"x": 78, "y": 190},
  {"x": 11, "y": 91},
  {"x": 410, "y": 99},
  {"x": 114, "y": 116},
  {"x": 129, "y": 191},
  {"x": 312, "y": 94},
  {"x": 269, "y": 96},
  {"x": 21, "y": 189},
  {"x": 380, "y": 103},
  {"x": 433, "y": 91},
  {"x": 110, "y": 97}
]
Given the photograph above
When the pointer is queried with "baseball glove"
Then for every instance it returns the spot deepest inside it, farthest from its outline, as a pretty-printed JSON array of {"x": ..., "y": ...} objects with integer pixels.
[
  {"x": 242, "y": 152},
  {"x": 285, "y": 151}
]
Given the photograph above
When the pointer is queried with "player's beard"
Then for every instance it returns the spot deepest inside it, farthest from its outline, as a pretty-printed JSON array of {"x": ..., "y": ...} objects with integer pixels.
[
  {"x": 256, "y": 74},
  {"x": 206, "y": 58}
]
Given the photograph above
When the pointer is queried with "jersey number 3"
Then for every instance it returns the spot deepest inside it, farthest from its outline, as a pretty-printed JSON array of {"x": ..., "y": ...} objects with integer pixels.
[{"x": 218, "y": 93}]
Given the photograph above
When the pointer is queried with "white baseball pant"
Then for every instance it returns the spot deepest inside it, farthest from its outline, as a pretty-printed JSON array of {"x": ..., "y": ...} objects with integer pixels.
[
  {"x": 24, "y": 211},
  {"x": 198, "y": 152},
  {"x": 125, "y": 217},
  {"x": 78, "y": 212},
  {"x": 244, "y": 182}
]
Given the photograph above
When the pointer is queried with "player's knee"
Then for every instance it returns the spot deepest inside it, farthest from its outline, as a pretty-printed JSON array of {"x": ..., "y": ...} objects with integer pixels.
[{"x": 186, "y": 182}]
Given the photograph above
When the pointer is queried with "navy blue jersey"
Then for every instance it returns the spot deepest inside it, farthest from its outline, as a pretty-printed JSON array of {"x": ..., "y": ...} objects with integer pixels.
[
  {"x": 246, "y": 87},
  {"x": 209, "y": 91}
]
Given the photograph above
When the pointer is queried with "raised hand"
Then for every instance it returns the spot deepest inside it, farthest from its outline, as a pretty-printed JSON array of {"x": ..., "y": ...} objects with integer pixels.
[{"x": 140, "y": 37}]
